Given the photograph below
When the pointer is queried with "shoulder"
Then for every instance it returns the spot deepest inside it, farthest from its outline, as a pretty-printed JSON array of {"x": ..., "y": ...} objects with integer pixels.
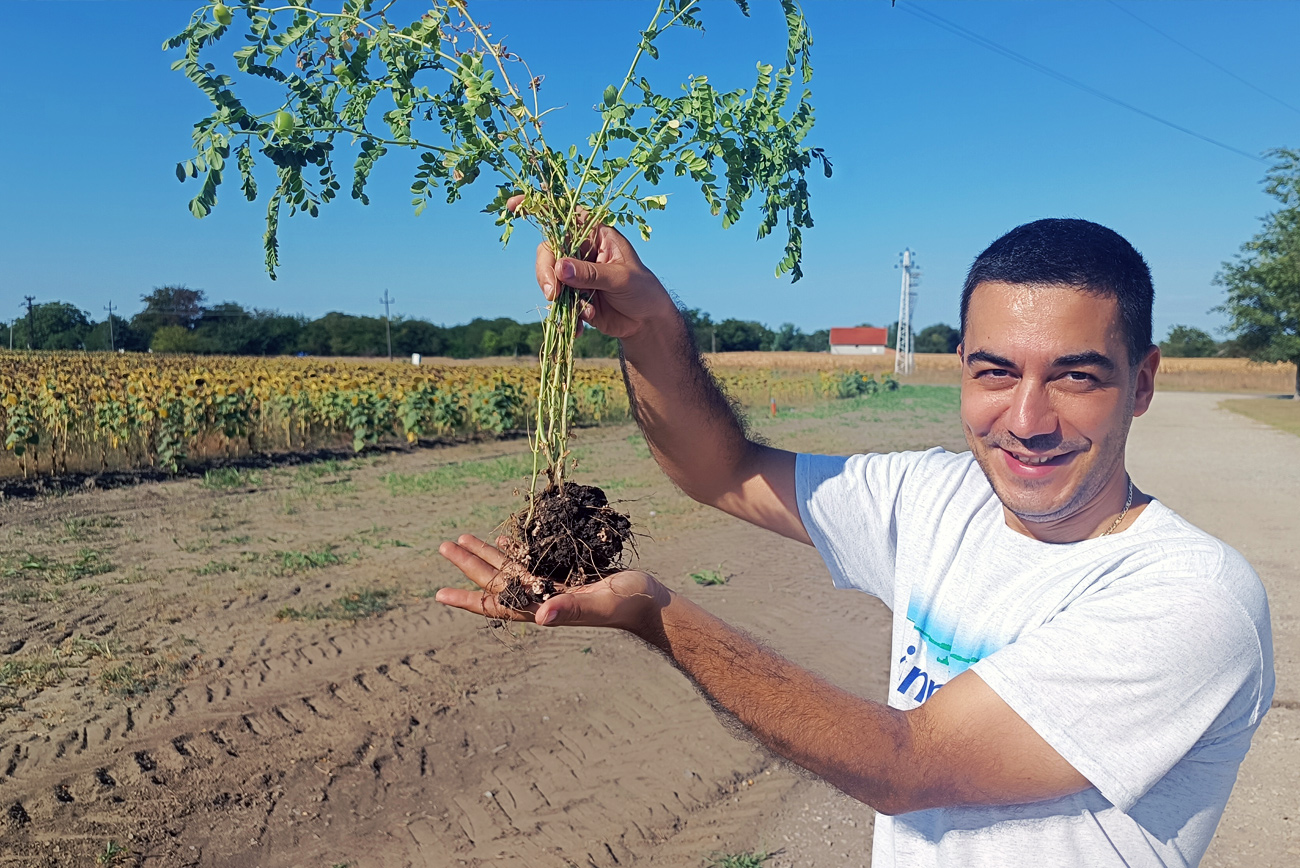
[
  {"x": 927, "y": 466},
  {"x": 1164, "y": 544}
]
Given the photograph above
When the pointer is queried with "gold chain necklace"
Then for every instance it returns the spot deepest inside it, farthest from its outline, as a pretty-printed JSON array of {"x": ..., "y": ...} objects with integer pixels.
[{"x": 1127, "y": 504}]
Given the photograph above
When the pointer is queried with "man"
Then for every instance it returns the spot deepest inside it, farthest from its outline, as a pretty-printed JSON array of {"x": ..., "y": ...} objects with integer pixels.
[{"x": 1077, "y": 671}]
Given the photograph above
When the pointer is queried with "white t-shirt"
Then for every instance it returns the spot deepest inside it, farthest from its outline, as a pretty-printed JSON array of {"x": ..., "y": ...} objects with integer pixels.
[{"x": 1145, "y": 658}]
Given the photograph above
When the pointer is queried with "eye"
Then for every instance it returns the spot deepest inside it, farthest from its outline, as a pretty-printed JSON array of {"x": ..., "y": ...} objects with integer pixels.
[{"x": 1080, "y": 377}]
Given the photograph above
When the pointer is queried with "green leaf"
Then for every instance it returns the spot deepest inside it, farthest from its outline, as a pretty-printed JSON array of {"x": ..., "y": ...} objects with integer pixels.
[{"x": 611, "y": 95}]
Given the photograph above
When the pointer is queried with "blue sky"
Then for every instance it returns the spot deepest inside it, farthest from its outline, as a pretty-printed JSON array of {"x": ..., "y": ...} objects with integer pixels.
[{"x": 939, "y": 145}]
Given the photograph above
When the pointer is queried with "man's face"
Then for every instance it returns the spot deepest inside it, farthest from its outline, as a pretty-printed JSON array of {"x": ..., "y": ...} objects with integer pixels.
[{"x": 1047, "y": 398}]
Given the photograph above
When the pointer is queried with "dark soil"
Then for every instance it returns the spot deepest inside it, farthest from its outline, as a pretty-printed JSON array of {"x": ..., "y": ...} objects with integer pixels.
[{"x": 574, "y": 537}]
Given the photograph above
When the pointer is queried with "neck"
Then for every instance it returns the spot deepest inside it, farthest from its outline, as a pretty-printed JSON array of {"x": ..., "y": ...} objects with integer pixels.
[{"x": 1096, "y": 518}]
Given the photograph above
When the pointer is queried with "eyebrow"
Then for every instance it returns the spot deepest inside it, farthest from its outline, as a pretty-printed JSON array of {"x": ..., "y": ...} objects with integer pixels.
[
  {"x": 1089, "y": 358},
  {"x": 990, "y": 358}
]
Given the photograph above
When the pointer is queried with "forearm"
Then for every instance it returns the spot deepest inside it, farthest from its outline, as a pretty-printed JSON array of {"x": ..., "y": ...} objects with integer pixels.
[
  {"x": 865, "y": 749},
  {"x": 689, "y": 425}
]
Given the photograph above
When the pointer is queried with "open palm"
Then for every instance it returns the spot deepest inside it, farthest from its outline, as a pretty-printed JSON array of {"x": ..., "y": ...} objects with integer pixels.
[{"x": 625, "y": 600}]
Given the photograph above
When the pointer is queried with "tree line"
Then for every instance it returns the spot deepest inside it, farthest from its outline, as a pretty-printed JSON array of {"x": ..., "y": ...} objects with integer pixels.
[{"x": 177, "y": 319}]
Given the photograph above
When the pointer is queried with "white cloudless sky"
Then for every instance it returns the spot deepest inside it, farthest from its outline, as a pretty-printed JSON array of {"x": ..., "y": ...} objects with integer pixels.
[{"x": 939, "y": 145}]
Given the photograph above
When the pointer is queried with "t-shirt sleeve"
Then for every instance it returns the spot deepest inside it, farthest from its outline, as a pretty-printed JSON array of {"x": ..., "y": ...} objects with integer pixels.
[
  {"x": 849, "y": 507},
  {"x": 1124, "y": 682}
]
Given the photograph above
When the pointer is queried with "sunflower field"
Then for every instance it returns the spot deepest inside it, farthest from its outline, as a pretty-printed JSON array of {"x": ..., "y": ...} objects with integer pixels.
[{"x": 89, "y": 412}]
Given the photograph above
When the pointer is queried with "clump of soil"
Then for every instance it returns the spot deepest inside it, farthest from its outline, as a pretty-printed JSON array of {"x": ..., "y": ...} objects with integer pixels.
[{"x": 573, "y": 537}]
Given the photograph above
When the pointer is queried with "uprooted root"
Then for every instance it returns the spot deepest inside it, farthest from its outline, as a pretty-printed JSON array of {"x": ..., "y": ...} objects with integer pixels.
[{"x": 574, "y": 537}]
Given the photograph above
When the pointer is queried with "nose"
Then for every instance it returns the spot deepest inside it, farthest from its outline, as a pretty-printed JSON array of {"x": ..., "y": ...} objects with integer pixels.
[{"x": 1031, "y": 413}]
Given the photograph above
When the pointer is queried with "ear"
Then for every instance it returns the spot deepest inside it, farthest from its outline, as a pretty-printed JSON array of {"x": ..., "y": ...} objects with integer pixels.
[{"x": 1146, "y": 381}]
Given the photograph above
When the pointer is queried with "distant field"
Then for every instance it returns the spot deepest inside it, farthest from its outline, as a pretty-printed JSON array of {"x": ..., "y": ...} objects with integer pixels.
[{"x": 1182, "y": 375}]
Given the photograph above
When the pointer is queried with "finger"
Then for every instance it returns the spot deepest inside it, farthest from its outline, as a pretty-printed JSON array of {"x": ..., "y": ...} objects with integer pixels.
[
  {"x": 477, "y": 570},
  {"x": 578, "y": 274},
  {"x": 515, "y": 204},
  {"x": 545, "y": 267},
  {"x": 481, "y": 603},
  {"x": 491, "y": 554}
]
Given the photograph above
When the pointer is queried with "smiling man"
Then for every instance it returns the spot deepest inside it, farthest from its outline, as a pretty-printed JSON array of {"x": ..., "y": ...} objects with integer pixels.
[{"x": 1076, "y": 670}]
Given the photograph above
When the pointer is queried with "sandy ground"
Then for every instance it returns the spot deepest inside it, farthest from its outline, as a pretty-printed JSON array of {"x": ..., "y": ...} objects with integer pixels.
[{"x": 421, "y": 737}]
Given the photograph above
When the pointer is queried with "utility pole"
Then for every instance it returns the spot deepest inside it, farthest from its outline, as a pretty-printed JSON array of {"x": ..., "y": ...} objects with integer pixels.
[
  {"x": 31, "y": 321},
  {"x": 388, "y": 329},
  {"x": 904, "y": 361},
  {"x": 112, "y": 344}
]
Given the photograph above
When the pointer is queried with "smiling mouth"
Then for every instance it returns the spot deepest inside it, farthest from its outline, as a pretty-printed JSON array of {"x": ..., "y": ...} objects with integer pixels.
[
  {"x": 1036, "y": 460},
  {"x": 1031, "y": 466}
]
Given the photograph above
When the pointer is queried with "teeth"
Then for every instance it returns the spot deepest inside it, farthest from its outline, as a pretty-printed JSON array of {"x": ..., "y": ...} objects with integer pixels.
[{"x": 1029, "y": 459}]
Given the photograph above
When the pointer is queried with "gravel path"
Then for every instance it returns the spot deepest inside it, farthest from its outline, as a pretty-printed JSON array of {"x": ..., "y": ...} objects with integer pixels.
[{"x": 1240, "y": 480}]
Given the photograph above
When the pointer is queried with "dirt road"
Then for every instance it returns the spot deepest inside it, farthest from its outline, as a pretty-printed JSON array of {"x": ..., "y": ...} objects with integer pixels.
[{"x": 219, "y": 694}]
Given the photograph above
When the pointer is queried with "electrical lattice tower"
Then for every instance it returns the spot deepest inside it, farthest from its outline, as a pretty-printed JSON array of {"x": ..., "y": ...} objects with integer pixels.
[{"x": 904, "y": 361}]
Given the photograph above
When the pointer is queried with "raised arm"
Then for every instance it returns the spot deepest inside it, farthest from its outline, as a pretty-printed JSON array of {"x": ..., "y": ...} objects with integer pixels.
[{"x": 690, "y": 427}]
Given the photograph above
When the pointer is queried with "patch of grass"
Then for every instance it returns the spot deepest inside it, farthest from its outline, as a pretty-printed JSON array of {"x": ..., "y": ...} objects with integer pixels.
[
  {"x": 373, "y": 539},
  {"x": 639, "y": 445},
  {"x": 317, "y": 469},
  {"x": 112, "y": 854},
  {"x": 78, "y": 529},
  {"x": 227, "y": 478},
  {"x": 451, "y": 477},
  {"x": 127, "y": 679},
  {"x": 328, "y": 487},
  {"x": 86, "y": 563},
  {"x": 1281, "y": 413},
  {"x": 708, "y": 578},
  {"x": 350, "y": 607},
  {"x": 296, "y": 561},
  {"x": 739, "y": 860},
  {"x": 236, "y": 540},
  {"x": 622, "y": 483},
  {"x": 30, "y": 672},
  {"x": 216, "y": 568},
  {"x": 131, "y": 678},
  {"x": 202, "y": 544},
  {"x": 911, "y": 400}
]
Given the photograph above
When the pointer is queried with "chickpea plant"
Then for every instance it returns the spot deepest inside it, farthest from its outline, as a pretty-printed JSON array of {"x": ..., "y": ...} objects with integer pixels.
[{"x": 443, "y": 88}]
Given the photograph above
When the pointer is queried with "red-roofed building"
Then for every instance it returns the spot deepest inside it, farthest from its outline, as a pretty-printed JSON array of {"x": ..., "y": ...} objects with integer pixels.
[{"x": 862, "y": 341}]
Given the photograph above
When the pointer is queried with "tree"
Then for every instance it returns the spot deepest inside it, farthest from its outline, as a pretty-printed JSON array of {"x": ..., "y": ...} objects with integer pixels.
[
  {"x": 174, "y": 339},
  {"x": 938, "y": 338},
  {"x": 1263, "y": 281},
  {"x": 123, "y": 337},
  {"x": 1186, "y": 342},
  {"x": 55, "y": 325},
  {"x": 168, "y": 306},
  {"x": 738, "y": 335},
  {"x": 702, "y": 328}
]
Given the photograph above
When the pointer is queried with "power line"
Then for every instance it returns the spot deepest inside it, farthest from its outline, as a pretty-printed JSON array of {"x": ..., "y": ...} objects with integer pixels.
[
  {"x": 938, "y": 21},
  {"x": 1212, "y": 63}
]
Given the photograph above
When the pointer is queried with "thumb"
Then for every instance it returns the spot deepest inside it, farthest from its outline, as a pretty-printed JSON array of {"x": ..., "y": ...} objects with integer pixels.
[
  {"x": 557, "y": 611},
  {"x": 578, "y": 274}
]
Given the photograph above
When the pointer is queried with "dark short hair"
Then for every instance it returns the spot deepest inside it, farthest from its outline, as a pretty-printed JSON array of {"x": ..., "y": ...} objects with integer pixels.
[{"x": 1076, "y": 253}]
